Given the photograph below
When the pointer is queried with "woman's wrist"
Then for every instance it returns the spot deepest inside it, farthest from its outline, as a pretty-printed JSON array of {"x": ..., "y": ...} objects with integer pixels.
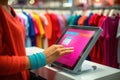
[{"x": 37, "y": 60}]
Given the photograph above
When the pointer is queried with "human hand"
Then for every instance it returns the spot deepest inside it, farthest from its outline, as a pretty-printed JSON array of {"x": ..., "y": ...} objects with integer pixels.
[{"x": 55, "y": 51}]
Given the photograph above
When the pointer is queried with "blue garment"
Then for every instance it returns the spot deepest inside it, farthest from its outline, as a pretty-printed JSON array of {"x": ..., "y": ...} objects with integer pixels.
[
  {"x": 86, "y": 23},
  {"x": 76, "y": 20},
  {"x": 31, "y": 30},
  {"x": 27, "y": 40}
]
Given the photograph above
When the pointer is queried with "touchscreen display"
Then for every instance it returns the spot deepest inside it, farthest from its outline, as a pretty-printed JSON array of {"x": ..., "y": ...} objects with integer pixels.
[{"x": 78, "y": 39}]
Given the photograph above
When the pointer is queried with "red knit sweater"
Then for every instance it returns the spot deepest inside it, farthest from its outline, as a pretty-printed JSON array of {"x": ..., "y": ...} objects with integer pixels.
[{"x": 12, "y": 47}]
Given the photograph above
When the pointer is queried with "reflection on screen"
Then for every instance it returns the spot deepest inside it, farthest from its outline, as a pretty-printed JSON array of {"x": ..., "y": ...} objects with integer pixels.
[{"x": 74, "y": 38}]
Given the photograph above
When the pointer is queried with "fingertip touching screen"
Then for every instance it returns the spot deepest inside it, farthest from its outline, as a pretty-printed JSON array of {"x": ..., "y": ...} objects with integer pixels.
[{"x": 79, "y": 38}]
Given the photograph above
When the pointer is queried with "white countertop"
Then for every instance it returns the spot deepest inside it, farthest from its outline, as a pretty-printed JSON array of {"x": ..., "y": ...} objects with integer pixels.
[{"x": 101, "y": 72}]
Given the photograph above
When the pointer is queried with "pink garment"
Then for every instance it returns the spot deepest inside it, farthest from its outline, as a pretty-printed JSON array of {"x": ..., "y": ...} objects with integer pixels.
[
  {"x": 21, "y": 18},
  {"x": 109, "y": 27}
]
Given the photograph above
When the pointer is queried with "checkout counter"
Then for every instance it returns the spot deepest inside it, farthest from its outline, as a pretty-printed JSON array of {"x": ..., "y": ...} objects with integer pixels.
[{"x": 89, "y": 71}]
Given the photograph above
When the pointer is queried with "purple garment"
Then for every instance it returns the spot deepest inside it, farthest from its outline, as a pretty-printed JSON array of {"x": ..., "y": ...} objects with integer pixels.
[
  {"x": 109, "y": 27},
  {"x": 61, "y": 22},
  {"x": 67, "y": 16}
]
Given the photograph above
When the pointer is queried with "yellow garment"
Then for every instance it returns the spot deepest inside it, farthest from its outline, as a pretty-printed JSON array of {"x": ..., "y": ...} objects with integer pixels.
[{"x": 40, "y": 36}]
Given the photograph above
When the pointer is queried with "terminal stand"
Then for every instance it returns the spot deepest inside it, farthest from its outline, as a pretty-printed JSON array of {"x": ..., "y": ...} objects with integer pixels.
[{"x": 89, "y": 71}]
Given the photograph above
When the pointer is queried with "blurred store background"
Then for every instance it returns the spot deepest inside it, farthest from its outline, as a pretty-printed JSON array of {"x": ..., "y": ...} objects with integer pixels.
[
  {"x": 66, "y": 3},
  {"x": 55, "y": 15}
]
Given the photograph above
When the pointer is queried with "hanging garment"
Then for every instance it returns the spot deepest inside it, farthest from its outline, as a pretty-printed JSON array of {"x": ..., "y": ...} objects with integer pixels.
[
  {"x": 31, "y": 30},
  {"x": 56, "y": 32},
  {"x": 40, "y": 35},
  {"x": 109, "y": 27}
]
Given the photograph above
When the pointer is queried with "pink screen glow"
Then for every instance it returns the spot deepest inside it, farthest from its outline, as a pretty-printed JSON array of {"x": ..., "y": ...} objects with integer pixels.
[{"x": 77, "y": 39}]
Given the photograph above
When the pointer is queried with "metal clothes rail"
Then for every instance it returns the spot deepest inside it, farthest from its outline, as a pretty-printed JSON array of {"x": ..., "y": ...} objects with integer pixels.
[{"x": 71, "y": 9}]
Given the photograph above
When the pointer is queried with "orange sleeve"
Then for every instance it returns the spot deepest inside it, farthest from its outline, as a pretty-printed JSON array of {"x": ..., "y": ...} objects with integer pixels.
[{"x": 10, "y": 64}]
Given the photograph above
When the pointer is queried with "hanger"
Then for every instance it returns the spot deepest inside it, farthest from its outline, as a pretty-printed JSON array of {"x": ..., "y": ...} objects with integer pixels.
[
  {"x": 106, "y": 12},
  {"x": 113, "y": 13},
  {"x": 100, "y": 11}
]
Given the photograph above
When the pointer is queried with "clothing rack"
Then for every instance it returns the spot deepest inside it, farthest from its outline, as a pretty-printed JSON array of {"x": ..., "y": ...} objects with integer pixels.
[
  {"x": 71, "y": 9},
  {"x": 40, "y": 9},
  {"x": 60, "y": 9}
]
